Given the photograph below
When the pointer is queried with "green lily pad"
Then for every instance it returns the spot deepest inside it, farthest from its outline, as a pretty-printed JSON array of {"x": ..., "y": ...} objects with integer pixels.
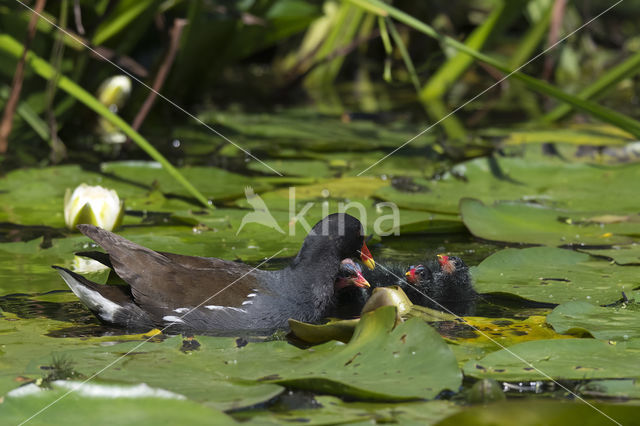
[
  {"x": 622, "y": 255},
  {"x": 561, "y": 359},
  {"x": 533, "y": 224},
  {"x": 214, "y": 183},
  {"x": 306, "y": 129},
  {"x": 332, "y": 410},
  {"x": 312, "y": 168},
  {"x": 602, "y": 323},
  {"x": 353, "y": 195},
  {"x": 408, "y": 362},
  {"x": 340, "y": 330},
  {"x": 539, "y": 412},
  {"x": 26, "y": 266},
  {"x": 554, "y": 275},
  {"x": 628, "y": 389},
  {"x": 550, "y": 182},
  {"x": 36, "y": 196},
  {"x": 77, "y": 407}
]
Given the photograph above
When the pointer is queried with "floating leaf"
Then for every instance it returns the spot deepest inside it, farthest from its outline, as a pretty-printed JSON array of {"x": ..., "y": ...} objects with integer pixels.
[
  {"x": 408, "y": 362},
  {"x": 554, "y": 275},
  {"x": 562, "y": 359},
  {"x": 601, "y": 323},
  {"x": 622, "y": 255},
  {"x": 77, "y": 407},
  {"x": 611, "y": 389},
  {"x": 549, "y": 182},
  {"x": 332, "y": 410},
  {"x": 340, "y": 330},
  {"x": 216, "y": 184},
  {"x": 533, "y": 224}
]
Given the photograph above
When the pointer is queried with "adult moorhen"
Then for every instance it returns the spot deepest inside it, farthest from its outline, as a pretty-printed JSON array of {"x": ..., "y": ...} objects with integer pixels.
[{"x": 214, "y": 295}]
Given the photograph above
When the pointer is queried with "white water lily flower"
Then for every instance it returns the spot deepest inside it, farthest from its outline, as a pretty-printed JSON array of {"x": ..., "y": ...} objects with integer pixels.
[
  {"x": 94, "y": 205},
  {"x": 114, "y": 91}
]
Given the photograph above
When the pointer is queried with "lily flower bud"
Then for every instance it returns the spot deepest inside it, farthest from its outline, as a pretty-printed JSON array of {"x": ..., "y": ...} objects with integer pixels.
[{"x": 94, "y": 205}]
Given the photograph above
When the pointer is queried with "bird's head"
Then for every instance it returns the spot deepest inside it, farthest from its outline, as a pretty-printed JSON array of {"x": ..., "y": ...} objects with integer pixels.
[{"x": 350, "y": 273}]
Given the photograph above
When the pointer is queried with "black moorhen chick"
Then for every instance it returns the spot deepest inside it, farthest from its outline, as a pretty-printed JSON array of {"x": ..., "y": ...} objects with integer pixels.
[
  {"x": 447, "y": 285},
  {"x": 214, "y": 295}
]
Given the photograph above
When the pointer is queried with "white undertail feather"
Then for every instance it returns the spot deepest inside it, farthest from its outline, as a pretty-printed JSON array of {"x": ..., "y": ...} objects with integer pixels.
[{"x": 105, "y": 308}]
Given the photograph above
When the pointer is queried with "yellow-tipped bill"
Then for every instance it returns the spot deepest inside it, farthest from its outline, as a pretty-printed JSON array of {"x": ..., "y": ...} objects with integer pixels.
[{"x": 366, "y": 258}]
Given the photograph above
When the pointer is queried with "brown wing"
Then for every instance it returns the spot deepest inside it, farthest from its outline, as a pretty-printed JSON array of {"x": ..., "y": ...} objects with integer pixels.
[{"x": 162, "y": 281}]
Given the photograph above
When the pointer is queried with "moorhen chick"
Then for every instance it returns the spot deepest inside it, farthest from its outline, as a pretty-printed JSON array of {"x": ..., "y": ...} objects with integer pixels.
[
  {"x": 447, "y": 285},
  {"x": 350, "y": 298},
  {"x": 219, "y": 296}
]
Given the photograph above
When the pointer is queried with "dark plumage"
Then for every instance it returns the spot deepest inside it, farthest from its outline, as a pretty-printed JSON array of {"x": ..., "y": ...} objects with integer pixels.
[
  {"x": 349, "y": 300},
  {"x": 214, "y": 295},
  {"x": 445, "y": 285}
]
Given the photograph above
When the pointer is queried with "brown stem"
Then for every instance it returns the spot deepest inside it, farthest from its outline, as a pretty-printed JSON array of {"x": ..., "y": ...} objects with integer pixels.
[
  {"x": 557, "y": 15},
  {"x": 163, "y": 71},
  {"x": 18, "y": 77},
  {"x": 77, "y": 14}
]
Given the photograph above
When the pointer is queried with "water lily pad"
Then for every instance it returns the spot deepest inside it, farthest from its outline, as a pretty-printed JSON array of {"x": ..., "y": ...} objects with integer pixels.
[
  {"x": 554, "y": 275},
  {"x": 214, "y": 183},
  {"x": 562, "y": 359},
  {"x": 332, "y": 410},
  {"x": 475, "y": 337},
  {"x": 549, "y": 182},
  {"x": 340, "y": 330},
  {"x": 309, "y": 130},
  {"x": 601, "y": 323},
  {"x": 628, "y": 389},
  {"x": 540, "y": 412},
  {"x": 353, "y": 195},
  {"x": 533, "y": 224},
  {"x": 408, "y": 362},
  {"x": 622, "y": 255},
  {"x": 35, "y": 196},
  {"x": 312, "y": 168},
  {"x": 79, "y": 406}
]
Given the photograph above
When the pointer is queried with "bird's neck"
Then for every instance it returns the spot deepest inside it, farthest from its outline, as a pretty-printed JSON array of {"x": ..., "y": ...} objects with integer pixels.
[{"x": 312, "y": 276}]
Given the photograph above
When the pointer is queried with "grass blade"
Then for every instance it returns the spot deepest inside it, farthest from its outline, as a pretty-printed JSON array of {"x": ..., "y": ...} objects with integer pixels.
[
  {"x": 602, "y": 113},
  {"x": 627, "y": 69}
]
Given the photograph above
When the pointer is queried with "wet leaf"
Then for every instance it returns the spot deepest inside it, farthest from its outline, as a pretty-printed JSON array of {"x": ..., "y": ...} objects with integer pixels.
[
  {"x": 340, "y": 330},
  {"x": 408, "y": 362},
  {"x": 622, "y": 255},
  {"x": 549, "y": 182},
  {"x": 533, "y": 224},
  {"x": 332, "y": 410},
  {"x": 76, "y": 408},
  {"x": 562, "y": 359},
  {"x": 611, "y": 389},
  {"x": 554, "y": 275},
  {"x": 216, "y": 184},
  {"x": 581, "y": 318}
]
